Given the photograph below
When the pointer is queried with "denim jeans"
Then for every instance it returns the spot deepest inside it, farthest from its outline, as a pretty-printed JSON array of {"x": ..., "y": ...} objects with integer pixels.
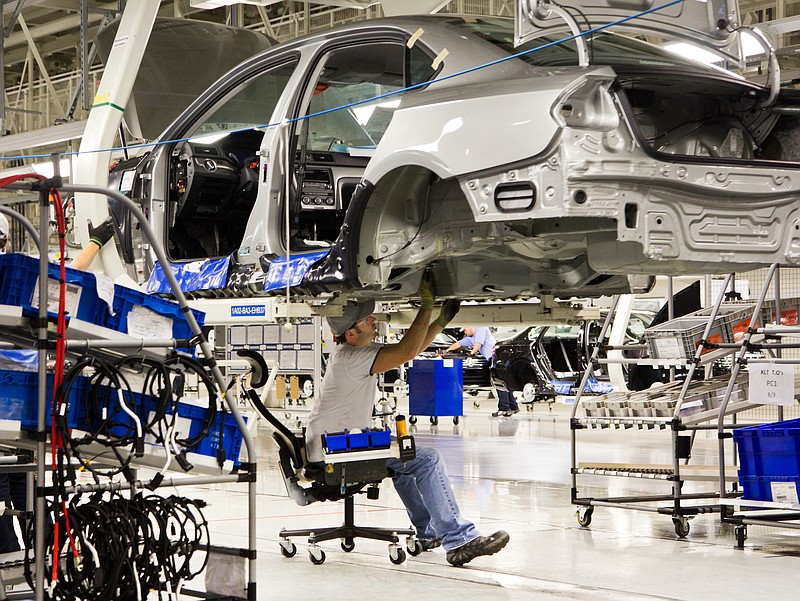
[
  {"x": 506, "y": 401},
  {"x": 424, "y": 488}
]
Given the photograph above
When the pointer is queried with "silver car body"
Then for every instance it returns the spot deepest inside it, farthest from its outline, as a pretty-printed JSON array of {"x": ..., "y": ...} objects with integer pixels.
[{"x": 517, "y": 180}]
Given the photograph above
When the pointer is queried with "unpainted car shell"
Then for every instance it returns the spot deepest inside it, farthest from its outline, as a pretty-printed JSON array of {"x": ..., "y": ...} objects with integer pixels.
[{"x": 541, "y": 170}]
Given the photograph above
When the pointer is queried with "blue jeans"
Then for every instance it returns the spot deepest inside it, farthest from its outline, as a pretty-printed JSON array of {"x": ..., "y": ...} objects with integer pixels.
[
  {"x": 424, "y": 488},
  {"x": 506, "y": 401}
]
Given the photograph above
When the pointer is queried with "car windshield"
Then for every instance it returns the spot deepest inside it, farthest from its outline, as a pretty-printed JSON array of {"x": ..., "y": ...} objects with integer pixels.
[
  {"x": 443, "y": 339},
  {"x": 604, "y": 48}
]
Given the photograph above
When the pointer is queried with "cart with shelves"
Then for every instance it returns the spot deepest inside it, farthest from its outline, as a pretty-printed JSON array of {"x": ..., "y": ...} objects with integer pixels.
[
  {"x": 678, "y": 409},
  {"x": 37, "y": 332},
  {"x": 769, "y": 466}
]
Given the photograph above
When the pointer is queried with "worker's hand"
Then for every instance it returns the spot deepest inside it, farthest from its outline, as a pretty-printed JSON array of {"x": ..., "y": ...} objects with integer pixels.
[
  {"x": 102, "y": 233},
  {"x": 426, "y": 291},
  {"x": 449, "y": 311}
]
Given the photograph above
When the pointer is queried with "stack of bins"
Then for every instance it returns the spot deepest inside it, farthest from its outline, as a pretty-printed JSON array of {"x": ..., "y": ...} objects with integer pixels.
[
  {"x": 19, "y": 279},
  {"x": 138, "y": 313},
  {"x": 769, "y": 459}
]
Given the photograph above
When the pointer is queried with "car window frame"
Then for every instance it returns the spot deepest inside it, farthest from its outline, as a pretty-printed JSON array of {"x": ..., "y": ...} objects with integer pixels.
[
  {"x": 222, "y": 91},
  {"x": 313, "y": 65}
]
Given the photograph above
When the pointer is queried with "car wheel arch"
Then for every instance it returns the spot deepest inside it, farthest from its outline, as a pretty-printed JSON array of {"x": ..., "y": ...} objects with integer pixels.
[{"x": 398, "y": 213}]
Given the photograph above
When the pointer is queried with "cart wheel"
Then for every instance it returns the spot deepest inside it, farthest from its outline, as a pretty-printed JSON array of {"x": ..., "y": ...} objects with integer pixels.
[
  {"x": 741, "y": 535},
  {"x": 434, "y": 420},
  {"x": 288, "y": 548},
  {"x": 681, "y": 527},
  {"x": 584, "y": 515},
  {"x": 476, "y": 404},
  {"x": 347, "y": 545},
  {"x": 413, "y": 546},
  {"x": 455, "y": 420},
  {"x": 396, "y": 554},
  {"x": 413, "y": 419},
  {"x": 317, "y": 556}
]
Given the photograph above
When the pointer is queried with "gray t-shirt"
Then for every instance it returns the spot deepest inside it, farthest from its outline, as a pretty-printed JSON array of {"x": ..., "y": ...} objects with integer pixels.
[{"x": 346, "y": 396}]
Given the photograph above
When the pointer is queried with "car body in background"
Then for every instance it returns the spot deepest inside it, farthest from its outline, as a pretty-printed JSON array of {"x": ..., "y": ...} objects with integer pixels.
[
  {"x": 531, "y": 176},
  {"x": 542, "y": 361}
]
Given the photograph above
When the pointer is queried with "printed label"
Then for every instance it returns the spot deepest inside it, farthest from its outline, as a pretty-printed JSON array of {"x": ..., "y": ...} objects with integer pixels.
[
  {"x": 784, "y": 492},
  {"x": 248, "y": 310},
  {"x": 668, "y": 348},
  {"x": 72, "y": 297}
]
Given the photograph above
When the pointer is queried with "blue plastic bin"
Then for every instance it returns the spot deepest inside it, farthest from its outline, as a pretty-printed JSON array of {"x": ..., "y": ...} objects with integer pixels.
[
  {"x": 759, "y": 488},
  {"x": 767, "y": 452},
  {"x": 232, "y": 437},
  {"x": 380, "y": 439},
  {"x": 358, "y": 441},
  {"x": 769, "y": 449},
  {"x": 126, "y": 299},
  {"x": 436, "y": 387},
  {"x": 18, "y": 277},
  {"x": 19, "y": 398},
  {"x": 335, "y": 442}
]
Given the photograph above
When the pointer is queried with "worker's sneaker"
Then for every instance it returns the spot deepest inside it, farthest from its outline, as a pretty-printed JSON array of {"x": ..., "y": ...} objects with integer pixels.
[
  {"x": 430, "y": 545},
  {"x": 501, "y": 414},
  {"x": 483, "y": 545}
]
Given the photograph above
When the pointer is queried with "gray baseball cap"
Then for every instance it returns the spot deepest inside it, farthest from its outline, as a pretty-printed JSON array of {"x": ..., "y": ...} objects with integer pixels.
[{"x": 352, "y": 312}]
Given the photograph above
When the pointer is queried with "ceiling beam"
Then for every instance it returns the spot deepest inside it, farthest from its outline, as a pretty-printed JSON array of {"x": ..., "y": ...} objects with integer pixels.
[{"x": 42, "y": 68}]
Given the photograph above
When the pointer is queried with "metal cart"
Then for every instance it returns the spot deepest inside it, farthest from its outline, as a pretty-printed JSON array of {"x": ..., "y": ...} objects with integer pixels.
[{"x": 680, "y": 409}]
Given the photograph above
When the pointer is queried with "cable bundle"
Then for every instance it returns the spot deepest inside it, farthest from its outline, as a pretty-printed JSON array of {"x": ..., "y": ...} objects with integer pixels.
[
  {"x": 118, "y": 418},
  {"x": 124, "y": 548}
]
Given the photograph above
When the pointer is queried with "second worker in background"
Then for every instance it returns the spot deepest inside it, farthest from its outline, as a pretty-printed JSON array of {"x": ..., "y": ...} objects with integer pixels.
[{"x": 480, "y": 340}]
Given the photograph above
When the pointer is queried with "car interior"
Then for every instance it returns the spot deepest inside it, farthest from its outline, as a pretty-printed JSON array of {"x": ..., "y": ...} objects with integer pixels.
[
  {"x": 214, "y": 175},
  {"x": 334, "y": 145}
]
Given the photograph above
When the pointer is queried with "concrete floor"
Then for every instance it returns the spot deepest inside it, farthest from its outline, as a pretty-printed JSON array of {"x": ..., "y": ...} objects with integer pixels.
[{"x": 513, "y": 473}]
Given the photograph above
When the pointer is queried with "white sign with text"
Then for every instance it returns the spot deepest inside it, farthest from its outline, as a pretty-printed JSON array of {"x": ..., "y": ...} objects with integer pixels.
[{"x": 771, "y": 384}]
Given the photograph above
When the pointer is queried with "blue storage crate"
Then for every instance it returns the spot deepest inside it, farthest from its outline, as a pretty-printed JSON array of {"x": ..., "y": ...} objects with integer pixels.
[
  {"x": 759, "y": 488},
  {"x": 335, "y": 442},
  {"x": 18, "y": 277},
  {"x": 380, "y": 439},
  {"x": 19, "y": 399},
  {"x": 769, "y": 449},
  {"x": 126, "y": 299},
  {"x": 232, "y": 437},
  {"x": 358, "y": 440},
  {"x": 436, "y": 387}
]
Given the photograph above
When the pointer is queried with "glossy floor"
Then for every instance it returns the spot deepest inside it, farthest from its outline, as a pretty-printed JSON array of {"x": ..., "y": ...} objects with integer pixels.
[{"x": 514, "y": 473}]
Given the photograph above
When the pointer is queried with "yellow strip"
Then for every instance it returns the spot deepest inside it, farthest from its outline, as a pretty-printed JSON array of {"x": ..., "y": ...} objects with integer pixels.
[
  {"x": 413, "y": 39},
  {"x": 101, "y": 98},
  {"x": 439, "y": 58}
]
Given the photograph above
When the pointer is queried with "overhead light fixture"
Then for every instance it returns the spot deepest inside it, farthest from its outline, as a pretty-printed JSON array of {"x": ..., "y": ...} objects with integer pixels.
[
  {"x": 750, "y": 47},
  {"x": 211, "y": 4},
  {"x": 46, "y": 168}
]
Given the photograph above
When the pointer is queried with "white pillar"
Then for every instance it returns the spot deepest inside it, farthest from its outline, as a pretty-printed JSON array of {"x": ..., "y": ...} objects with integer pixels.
[{"x": 91, "y": 167}]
